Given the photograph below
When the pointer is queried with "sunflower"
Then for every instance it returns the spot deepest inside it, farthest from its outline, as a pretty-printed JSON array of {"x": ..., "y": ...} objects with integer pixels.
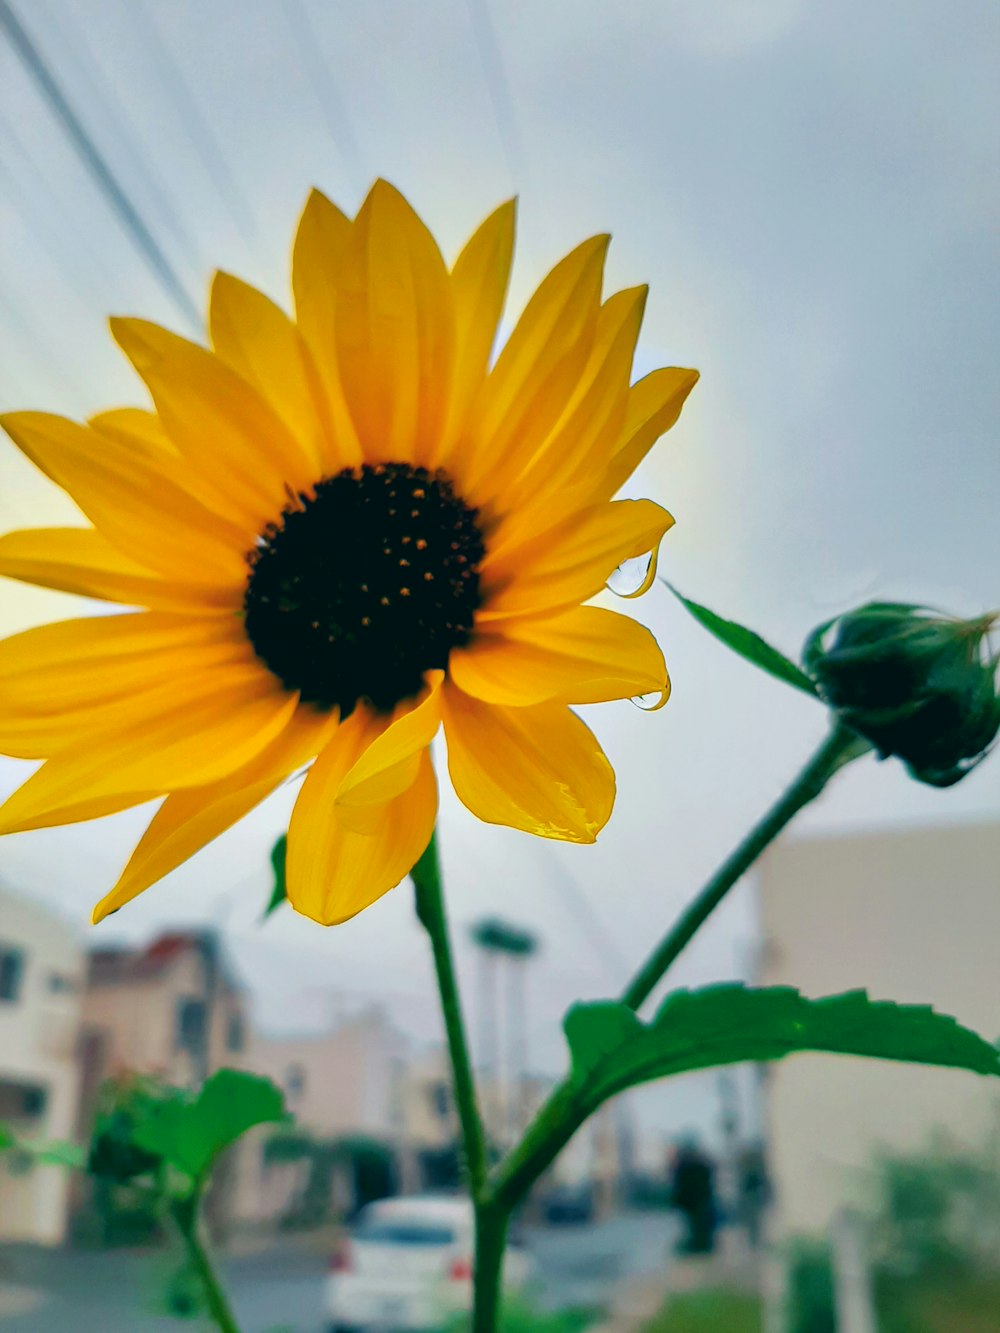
[{"x": 335, "y": 535}]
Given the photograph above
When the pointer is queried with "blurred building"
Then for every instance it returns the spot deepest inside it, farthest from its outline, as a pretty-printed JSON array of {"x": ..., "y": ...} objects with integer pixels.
[
  {"x": 41, "y": 974},
  {"x": 172, "y": 1008},
  {"x": 371, "y": 1117},
  {"x": 344, "y": 1088},
  {"x": 909, "y": 915}
]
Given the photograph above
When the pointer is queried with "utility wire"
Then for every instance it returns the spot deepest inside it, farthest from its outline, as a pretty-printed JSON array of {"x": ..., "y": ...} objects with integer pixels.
[
  {"x": 31, "y": 341},
  {"x": 333, "y": 108},
  {"x": 105, "y": 179},
  {"x": 48, "y": 224},
  {"x": 103, "y": 94},
  {"x": 499, "y": 92},
  {"x": 584, "y": 914},
  {"x": 198, "y": 129}
]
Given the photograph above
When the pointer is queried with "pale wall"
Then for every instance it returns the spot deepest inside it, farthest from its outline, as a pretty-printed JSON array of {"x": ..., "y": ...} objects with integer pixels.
[
  {"x": 352, "y": 1085},
  {"x": 351, "y": 1076},
  {"x": 911, "y": 916},
  {"x": 38, "y": 1037}
]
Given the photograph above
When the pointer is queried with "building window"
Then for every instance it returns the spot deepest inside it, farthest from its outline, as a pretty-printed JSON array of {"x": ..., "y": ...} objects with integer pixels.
[
  {"x": 190, "y": 1031},
  {"x": 34, "y": 1102},
  {"x": 61, "y": 984},
  {"x": 295, "y": 1080},
  {"x": 11, "y": 972},
  {"x": 440, "y": 1100},
  {"x": 236, "y": 1037}
]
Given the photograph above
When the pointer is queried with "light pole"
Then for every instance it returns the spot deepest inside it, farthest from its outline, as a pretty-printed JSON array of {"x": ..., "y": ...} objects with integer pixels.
[{"x": 504, "y": 951}]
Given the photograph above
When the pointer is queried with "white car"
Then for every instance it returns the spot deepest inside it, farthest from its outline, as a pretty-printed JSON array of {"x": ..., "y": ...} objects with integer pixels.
[{"x": 408, "y": 1265}]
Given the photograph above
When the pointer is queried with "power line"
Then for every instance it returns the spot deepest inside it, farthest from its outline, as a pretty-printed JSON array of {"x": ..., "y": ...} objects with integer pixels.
[
  {"x": 30, "y": 339},
  {"x": 103, "y": 93},
  {"x": 333, "y": 108},
  {"x": 584, "y": 914},
  {"x": 105, "y": 179},
  {"x": 49, "y": 225},
  {"x": 198, "y": 129},
  {"x": 496, "y": 83}
]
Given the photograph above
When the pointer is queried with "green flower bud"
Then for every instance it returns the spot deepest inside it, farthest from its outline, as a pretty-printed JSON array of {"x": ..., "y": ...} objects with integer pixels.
[{"x": 915, "y": 683}]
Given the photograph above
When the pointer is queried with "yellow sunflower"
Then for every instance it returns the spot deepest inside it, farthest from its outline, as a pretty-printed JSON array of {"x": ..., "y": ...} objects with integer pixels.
[{"x": 345, "y": 531}]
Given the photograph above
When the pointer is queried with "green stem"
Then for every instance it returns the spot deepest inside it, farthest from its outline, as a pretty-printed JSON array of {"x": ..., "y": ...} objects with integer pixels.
[
  {"x": 426, "y": 875},
  {"x": 186, "y": 1214},
  {"x": 839, "y": 747},
  {"x": 491, "y": 1237},
  {"x": 554, "y": 1125},
  {"x": 562, "y": 1114}
]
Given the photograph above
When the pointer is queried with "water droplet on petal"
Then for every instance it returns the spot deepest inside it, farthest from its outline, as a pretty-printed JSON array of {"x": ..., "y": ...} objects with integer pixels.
[
  {"x": 652, "y": 703},
  {"x": 634, "y": 577}
]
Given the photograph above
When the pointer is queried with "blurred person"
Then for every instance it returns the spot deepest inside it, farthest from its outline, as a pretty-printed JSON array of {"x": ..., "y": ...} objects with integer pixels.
[
  {"x": 753, "y": 1191},
  {"x": 692, "y": 1193}
]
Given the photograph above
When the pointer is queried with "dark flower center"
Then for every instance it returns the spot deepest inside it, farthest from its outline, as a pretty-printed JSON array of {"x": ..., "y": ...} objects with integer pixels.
[{"x": 364, "y": 585}]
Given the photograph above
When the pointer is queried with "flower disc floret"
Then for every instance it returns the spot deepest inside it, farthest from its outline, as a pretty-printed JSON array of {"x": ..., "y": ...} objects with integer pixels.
[{"x": 364, "y": 585}]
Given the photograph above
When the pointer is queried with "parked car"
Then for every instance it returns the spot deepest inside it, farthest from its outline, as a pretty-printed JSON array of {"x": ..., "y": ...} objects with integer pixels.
[
  {"x": 569, "y": 1204},
  {"x": 407, "y": 1265}
]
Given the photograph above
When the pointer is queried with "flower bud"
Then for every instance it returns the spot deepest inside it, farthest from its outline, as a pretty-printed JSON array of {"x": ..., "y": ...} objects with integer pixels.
[{"x": 915, "y": 683}]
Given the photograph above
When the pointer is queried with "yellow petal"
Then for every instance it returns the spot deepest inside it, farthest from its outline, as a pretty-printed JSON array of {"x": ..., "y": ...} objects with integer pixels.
[
  {"x": 255, "y": 337},
  {"x": 139, "y": 505},
  {"x": 535, "y": 374},
  {"x": 654, "y": 404},
  {"x": 390, "y": 763},
  {"x": 538, "y": 769},
  {"x": 81, "y": 561},
  {"x": 224, "y": 429},
  {"x": 584, "y": 656},
  {"x": 572, "y": 562},
  {"x": 560, "y": 478},
  {"x": 335, "y": 872},
  {"x": 142, "y": 433},
  {"x": 136, "y": 427},
  {"x": 394, "y": 330},
  {"x": 479, "y": 288},
  {"x": 96, "y": 807},
  {"x": 320, "y": 240},
  {"x": 59, "y": 681},
  {"x": 187, "y": 732},
  {"x": 189, "y": 820}
]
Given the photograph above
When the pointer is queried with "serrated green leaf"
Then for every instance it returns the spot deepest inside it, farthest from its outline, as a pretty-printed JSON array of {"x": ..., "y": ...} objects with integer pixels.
[
  {"x": 190, "y": 1135},
  {"x": 748, "y": 645},
  {"x": 611, "y": 1049},
  {"x": 279, "y": 857}
]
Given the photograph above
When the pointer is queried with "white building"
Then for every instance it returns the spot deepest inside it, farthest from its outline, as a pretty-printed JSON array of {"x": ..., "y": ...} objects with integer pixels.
[
  {"x": 41, "y": 973},
  {"x": 910, "y": 915}
]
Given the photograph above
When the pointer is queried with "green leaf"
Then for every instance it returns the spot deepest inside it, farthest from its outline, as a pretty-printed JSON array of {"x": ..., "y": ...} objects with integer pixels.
[
  {"x": 6, "y": 1136},
  {"x": 279, "y": 857},
  {"x": 611, "y": 1049},
  {"x": 190, "y": 1135},
  {"x": 748, "y": 645}
]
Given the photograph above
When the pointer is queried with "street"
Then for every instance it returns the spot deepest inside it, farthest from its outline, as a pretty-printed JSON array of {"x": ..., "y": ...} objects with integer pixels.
[{"x": 279, "y": 1290}]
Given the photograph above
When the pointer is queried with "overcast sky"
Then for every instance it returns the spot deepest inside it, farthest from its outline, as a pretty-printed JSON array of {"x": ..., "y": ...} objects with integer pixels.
[{"x": 812, "y": 192}]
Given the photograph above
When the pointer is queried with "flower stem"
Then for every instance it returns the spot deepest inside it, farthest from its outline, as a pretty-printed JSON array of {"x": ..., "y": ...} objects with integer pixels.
[
  {"x": 426, "y": 876},
  {"x": 186, "y": 1214},
  {"x": 840, "y": 747},
  {"x": 561, "y": 1115},
  {"x": 491, "y": 1238}
]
